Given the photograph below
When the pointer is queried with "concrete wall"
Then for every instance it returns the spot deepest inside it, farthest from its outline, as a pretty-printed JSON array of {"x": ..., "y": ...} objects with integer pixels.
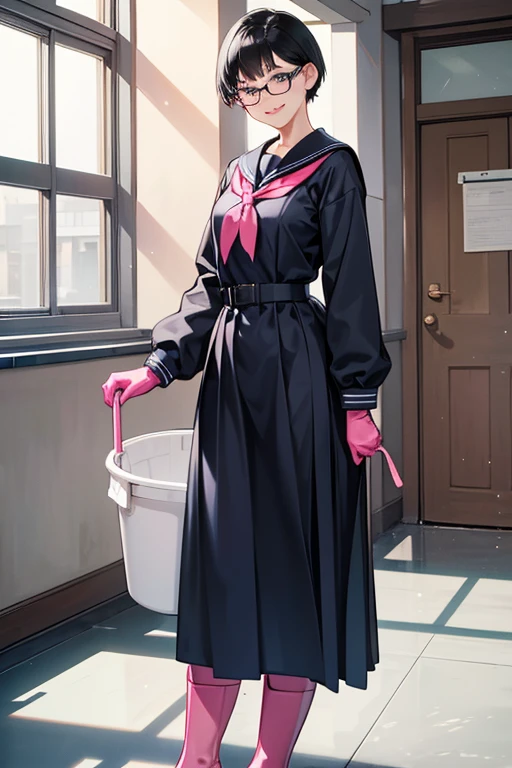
[
  {"x": 56, "y": 521},
  {"x": 366, "y": 111},
  {"x": 392, "y": 426}
]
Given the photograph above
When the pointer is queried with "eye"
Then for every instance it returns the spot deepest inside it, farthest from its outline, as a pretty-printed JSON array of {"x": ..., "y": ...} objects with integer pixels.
[
  {"x": 249, "y": 91},
  {"x": 281, "y": 77}
]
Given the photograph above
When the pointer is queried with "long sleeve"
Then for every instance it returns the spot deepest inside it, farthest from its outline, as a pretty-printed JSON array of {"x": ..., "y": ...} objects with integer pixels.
[
  {"x": 359, "y": 360},
  {"x": 180, "y": 341}
]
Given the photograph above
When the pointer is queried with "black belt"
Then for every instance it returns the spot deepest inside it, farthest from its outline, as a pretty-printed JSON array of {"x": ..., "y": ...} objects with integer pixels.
[{"x": 260, "y": 293}]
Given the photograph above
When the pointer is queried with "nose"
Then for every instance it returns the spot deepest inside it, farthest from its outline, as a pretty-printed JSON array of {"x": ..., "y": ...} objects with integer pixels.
[{"x": 267, "y": 99}]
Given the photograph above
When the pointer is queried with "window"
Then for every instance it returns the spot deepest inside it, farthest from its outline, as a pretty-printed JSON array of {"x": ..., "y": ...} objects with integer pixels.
[
  {"x": 476, "y": 71},
  {"x": 93, "y": 9},
  {"x": 66, "y": 241}
]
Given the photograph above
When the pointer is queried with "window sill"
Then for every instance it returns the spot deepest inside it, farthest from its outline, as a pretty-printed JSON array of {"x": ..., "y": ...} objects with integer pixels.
[{"x": 45, "y": 349}]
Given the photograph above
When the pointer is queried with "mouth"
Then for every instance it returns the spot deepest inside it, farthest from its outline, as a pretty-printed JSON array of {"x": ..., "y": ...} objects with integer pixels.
[{"x": 274, "y": 111}]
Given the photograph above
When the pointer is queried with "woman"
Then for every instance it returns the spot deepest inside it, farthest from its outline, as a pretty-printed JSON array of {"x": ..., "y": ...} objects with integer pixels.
[{"x": 276, "y": 575}]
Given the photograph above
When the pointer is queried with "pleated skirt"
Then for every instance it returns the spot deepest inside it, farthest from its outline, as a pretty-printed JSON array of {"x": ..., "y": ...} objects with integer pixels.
[{"x": 277, "y": 566}]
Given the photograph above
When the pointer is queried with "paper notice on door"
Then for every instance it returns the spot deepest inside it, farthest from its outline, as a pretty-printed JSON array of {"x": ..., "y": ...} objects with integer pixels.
[{"x": 488, "y": 214}]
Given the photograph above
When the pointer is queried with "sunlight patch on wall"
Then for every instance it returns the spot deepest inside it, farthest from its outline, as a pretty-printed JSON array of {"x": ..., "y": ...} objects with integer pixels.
[{"x": 179, "y": 43}]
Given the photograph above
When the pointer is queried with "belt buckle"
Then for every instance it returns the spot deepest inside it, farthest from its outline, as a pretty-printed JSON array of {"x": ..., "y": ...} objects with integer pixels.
[
  {"x": 232, "y": 293},
  {"x": 229, "y": 292}
]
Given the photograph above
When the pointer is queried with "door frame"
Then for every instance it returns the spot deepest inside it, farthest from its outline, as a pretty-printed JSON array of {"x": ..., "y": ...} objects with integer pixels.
[{"x": 414, "y": 115}]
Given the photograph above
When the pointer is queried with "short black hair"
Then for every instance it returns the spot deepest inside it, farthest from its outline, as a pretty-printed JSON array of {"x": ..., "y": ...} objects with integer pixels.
[{"x": 251, "y": 42}]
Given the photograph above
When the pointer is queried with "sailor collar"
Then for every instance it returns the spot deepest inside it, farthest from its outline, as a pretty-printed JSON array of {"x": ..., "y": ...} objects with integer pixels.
[{"x": 309, "y": 148}]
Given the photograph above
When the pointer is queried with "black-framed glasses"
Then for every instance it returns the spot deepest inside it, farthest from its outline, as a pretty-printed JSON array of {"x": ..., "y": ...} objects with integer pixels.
[{"x": 277, "y": 85}]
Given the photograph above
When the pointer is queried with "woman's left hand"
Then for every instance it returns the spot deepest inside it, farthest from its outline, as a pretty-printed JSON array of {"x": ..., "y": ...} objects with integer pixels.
[
  {"x": 362, "y": 435},
  {"x": 364, "y": 439}
]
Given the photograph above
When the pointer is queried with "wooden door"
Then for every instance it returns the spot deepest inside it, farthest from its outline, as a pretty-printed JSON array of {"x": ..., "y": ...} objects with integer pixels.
[{"x": 466, "y": 356}]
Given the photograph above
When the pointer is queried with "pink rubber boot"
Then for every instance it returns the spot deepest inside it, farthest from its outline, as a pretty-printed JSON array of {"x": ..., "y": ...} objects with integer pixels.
[
  {"x": 210, "y": 702},
  {"x": 286, "y": 703}
]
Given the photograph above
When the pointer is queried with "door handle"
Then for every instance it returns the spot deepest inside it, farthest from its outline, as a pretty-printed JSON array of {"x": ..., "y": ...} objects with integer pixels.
[{"x": 435, "y": 292}]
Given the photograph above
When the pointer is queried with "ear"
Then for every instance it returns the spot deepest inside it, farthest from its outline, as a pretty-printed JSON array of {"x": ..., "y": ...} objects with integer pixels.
[{"x": 310, "y": 75}]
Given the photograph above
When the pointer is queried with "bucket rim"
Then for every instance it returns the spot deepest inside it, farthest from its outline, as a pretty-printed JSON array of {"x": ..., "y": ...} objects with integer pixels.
[
  {"x": 138, "y": 438},
  {"x": 128, "y": 477}
]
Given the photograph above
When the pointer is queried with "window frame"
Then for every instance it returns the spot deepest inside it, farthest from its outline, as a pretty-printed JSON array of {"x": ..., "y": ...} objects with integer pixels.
[{"x": 61, "y": 26}]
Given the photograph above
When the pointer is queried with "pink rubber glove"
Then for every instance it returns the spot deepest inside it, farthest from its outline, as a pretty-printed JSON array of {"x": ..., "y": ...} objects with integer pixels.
[
  {"x": 131, "y": 383},
  {"x": 364, "y": 439}
]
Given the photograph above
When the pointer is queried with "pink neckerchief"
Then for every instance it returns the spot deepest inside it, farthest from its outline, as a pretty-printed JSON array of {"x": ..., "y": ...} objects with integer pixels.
[{"x": 242, "y": 219}]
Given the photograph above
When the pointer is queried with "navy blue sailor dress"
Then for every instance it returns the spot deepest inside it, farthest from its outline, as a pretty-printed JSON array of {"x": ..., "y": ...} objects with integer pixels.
[{"x": 277, "y": 565}]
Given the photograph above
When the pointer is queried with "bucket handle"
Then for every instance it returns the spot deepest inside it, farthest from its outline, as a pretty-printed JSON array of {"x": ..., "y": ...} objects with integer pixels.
[
  {"x": 116, "y": 421},
  {"x": 120, "y": 490}
]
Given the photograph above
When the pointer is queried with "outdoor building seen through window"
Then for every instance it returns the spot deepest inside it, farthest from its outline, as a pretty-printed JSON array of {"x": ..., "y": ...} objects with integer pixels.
[{"x": 58, "y": 187}]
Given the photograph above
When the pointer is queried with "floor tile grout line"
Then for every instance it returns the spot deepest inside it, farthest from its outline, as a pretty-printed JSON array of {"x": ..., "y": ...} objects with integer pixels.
[
  {"x": 75, "y": 632},
  {"x": 37, "y": 654},
  {"x": 466, "y": 661},
  {"x": 386, "y": 705},
  {"x": 418, "y": 658}
]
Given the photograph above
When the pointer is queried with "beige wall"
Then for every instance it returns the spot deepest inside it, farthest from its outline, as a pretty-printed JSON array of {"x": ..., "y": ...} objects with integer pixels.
[{"x": 178, "y": 146}]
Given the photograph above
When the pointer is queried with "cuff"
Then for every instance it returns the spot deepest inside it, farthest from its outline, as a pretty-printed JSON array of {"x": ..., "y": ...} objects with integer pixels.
[
  {"x": 359, "y": 399},
  {"x": 156, "y": 364}
]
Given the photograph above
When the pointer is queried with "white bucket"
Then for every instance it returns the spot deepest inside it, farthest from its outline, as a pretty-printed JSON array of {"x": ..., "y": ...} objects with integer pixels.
[{"x": 148, "y": 482}]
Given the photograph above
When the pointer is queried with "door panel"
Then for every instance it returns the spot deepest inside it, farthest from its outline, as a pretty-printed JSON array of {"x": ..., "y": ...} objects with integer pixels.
[
  {"x": 466, "y": 376},
  {"x": 469, "y": 415}
]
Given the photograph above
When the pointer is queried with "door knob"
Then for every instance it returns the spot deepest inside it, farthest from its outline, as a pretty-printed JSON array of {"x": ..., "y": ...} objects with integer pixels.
[
  {"x": 435, "y": 292},
  {"x": 430, "y": 320}
]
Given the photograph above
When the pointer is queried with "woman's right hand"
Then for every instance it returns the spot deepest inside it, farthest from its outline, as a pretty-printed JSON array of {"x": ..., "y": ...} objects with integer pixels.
[{"x": 131, "y": 383}]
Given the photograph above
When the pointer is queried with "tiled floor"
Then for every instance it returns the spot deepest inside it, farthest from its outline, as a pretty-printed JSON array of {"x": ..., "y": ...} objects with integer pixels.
[{"x": 113, "y": 697}]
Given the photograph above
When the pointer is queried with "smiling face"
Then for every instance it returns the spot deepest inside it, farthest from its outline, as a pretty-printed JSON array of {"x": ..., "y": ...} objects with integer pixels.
[{"x": 278, "y": 110}]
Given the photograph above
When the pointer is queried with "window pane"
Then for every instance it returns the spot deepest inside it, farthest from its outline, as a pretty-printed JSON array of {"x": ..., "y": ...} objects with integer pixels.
[
  {"x": 94, "y": 9},
  {"x": 82, "y": 251},
  {"x": 20, "y": 248},
  {"x": 461, "y": 72},
  {"x": 20, "y": 124},
  {"x": 124, "y": 18},
  {"x": 79, "y": 110}
]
